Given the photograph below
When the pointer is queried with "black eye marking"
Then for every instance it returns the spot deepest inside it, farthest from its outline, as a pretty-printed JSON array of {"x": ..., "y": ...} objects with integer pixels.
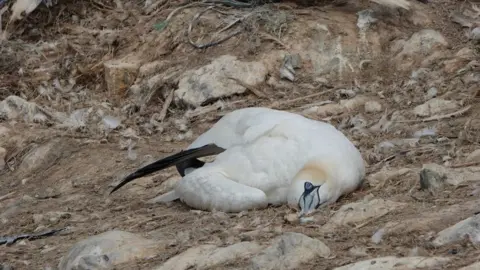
[{"x": 308, "y": 186}]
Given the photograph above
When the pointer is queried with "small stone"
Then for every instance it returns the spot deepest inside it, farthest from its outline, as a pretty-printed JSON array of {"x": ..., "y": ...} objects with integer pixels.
[
  {"x": 120, "y": 74},
  {"x": 426, "y": 132},
  {"x": 373, "y": 107},
  {"x": 291, "y": 218},
  {"x": 475, "y": 34},
  {"x": 377, "y": 236},
  {"x": 358, "y": 251},
  {"x": 432, "y": 93},
  {"x": 431, "y": 180}
]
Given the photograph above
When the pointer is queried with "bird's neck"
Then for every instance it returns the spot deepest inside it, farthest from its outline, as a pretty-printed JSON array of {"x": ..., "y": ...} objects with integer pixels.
[
  {"x": 317, "y": 173},
  {"x": 314, "y": 172}
]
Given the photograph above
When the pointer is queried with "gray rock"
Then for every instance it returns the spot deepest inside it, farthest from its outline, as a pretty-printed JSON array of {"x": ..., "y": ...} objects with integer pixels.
[
  {"x": 210, "y": 82},
  {"x": 431, "y": 180},
  {"x": 208, "y": 256},
  {"x": 358, "y": 212},
  {"x": 395, "y": 263},
  {"x": 469, "y": 227},
  {"x": 455, "y": 176},
  {"x": 289, "y": 251},
  {"x": 432, "y": 92},
  {"x": 107, "y": 250},
  {"x": 475, "y": 34}
]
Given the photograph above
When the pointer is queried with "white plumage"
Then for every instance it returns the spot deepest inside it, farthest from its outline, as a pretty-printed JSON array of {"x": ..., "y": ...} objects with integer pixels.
[{"x": 269, "y": 156}]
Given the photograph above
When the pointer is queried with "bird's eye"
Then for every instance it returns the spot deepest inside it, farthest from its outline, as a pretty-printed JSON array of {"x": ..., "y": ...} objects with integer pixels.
[{"x": 308, "y": 186}]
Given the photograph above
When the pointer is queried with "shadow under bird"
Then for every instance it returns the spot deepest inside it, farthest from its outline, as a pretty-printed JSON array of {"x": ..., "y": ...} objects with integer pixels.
[{"x": 264, "y": 157}]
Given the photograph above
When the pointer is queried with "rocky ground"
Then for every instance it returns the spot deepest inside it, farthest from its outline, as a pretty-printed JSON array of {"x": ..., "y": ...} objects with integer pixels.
[{"x": 92, "y": 90}]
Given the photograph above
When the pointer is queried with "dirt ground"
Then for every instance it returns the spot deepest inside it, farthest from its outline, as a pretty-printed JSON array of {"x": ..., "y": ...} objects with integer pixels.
[{"x": 69, "y": 189}]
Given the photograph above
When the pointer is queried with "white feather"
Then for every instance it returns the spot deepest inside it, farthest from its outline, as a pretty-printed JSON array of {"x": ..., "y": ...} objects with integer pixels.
[{"x": 265, "y": 149}]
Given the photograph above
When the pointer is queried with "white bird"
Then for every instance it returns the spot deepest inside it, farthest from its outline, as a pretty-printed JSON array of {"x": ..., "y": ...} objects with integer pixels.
[{"x": 264, "y": 156}]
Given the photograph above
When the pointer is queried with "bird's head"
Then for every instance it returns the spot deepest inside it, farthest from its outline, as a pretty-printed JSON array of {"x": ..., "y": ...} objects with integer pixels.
[{"x": 310, "y": 189}]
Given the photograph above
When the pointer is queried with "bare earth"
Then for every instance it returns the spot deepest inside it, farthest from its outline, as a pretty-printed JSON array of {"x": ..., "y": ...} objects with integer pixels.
[{"x": 66, "y": 184}]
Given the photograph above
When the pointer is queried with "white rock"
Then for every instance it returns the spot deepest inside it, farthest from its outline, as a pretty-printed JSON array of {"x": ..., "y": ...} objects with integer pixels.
[
  {"x": 469, "y": 227},
  {"x": 120, "y": 74},
  {"x": 289, "y": 251},
  {"x": 432, "y": 92},
  {"x": 107, "y": 250},
  {"x": 435, "y": 106},
  {"x": 425, "y": 132},
  {"x": 422, "y": 42},
  {"x": 373, "y": 106},
  {"x": 209, "y": 256},
  {"x": 210, "y": 82},
  {"x": 395, "y": 263}
]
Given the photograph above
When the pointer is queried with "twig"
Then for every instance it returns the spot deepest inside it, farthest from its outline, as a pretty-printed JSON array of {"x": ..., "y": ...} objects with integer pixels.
[
  {"x": 438, "y": 117},
  {"x": 252, "y": 89},
  {"x": 468, "y": 164},
  {"x": 287, "y": 102},
  {"x": 6, "y": 196},
  {"x": 267, "y": 36},
  {"x": 167, "y": 103},
  {"x": 213, "y": 43}
]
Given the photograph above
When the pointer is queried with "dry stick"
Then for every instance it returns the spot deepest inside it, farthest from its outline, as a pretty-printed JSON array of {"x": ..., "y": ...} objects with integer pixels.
[
  {"x": 6, "y": 196},
  {"x": 267, "y": 36},
  {"x": 210, "y": 44},
  {"x": 167, "y": 103},
  {"x": 438, "y": 117},
  {"x": 252, "y": 89},
  {"x": 468, "y": 164},
  {"x": 287, "y": 102}
]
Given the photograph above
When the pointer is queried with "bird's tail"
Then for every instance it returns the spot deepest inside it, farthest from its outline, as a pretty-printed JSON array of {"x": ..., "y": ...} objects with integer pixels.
[
  {"x": 206, "y": 150},
  {"x": 393, "y": 3}
]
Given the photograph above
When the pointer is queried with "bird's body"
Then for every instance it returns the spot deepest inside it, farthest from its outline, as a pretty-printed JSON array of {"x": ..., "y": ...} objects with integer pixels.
[{"x": 269, "y": 156}]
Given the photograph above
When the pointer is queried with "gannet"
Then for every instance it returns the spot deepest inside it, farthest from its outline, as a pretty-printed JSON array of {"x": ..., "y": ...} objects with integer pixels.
[{"x": 264, "y": 156}]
